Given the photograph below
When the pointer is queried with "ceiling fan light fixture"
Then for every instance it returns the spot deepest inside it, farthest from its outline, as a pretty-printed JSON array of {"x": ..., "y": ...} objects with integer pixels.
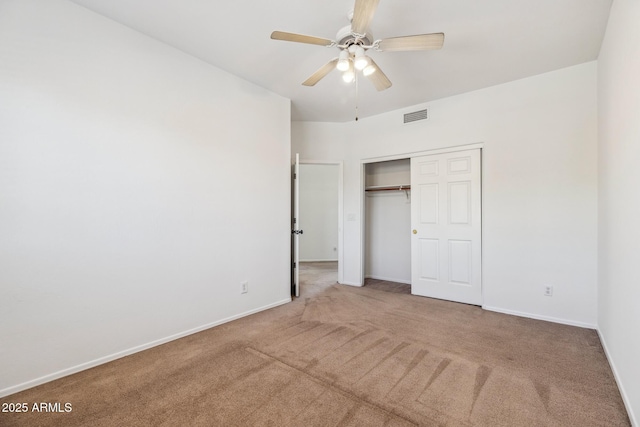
[
  {"x": 353, "y": 42},
  {"x": 361, "y": 60},
  {"x": 343, "y": 61},
  {"x": 343, "y": 65},
  {"x": 349, "y": 75}
]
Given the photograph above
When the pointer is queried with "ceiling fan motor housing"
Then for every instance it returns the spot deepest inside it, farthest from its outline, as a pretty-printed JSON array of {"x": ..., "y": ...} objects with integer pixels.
[{"x": 346, "y": 38}]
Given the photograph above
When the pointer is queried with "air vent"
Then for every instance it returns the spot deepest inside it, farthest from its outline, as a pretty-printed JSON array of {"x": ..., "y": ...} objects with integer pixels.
[{"x": 416, "y": 115}]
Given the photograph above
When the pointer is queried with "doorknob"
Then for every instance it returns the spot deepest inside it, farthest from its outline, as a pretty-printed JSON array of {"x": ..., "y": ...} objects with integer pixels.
[{"x": 415, "y": 231}]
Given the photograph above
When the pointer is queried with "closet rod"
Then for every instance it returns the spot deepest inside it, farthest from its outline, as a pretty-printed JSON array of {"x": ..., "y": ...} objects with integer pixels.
[{"x": 389, "y": 188}]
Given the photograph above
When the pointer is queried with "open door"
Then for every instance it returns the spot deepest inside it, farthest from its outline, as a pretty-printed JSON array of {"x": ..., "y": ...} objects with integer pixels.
[
  {"x": 446, "y": 226},
  {"x": 295, "y": 230}
]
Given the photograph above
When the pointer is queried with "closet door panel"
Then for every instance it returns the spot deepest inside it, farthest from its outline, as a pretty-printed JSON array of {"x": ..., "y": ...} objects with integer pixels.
[{"x": 446, "y": 226}]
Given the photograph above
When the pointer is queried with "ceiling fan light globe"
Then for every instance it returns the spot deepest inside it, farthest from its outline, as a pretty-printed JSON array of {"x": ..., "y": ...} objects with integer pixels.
[
  {"x": 343, "y": 65},
  {"x": 360, "y": 59},
  {"x": 343, "y": 62},
  {"x": 348, "y": 76},
  {"x": 368, "y": 70},
  {"x": 361, "y": 62}
]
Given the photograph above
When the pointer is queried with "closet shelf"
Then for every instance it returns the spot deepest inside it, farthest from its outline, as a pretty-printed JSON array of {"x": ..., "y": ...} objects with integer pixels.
[{"x": 402, "y": 187}]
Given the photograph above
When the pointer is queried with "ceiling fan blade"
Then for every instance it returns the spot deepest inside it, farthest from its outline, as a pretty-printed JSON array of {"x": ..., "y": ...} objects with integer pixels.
[
  {"x": 419, "y": 42},
  {"x": 299, "y": 38},
  {"x": 363, "y": 12},
  {"x": 378, "y": 78},
  {"x": 323, "y": 71}
]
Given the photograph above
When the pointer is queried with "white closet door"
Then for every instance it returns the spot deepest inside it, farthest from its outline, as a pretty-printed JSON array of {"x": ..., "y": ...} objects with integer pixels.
[{"x": 446, "y": 226}]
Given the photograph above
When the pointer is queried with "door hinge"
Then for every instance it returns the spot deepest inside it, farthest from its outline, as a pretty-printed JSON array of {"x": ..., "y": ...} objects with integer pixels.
[
  {"x": 294, "y": 265},
  {"x": 295, "y": 176},
  {"x": 295, "y": 220}
]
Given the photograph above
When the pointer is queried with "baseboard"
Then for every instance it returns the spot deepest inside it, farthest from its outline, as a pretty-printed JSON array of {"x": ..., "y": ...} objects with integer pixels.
[
  {"x": 319, "y": 260},
  {"x": 102, "y": 360},
  {"x": 625, "y": 397},
  {"x": 388, "y": 279},
  {"x": 539, "y": 317}
]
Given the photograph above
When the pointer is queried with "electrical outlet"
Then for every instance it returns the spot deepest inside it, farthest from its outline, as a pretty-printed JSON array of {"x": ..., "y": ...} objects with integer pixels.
[
  {"x": 245, "y": 287},
  {"x": 548, "y": 290}
]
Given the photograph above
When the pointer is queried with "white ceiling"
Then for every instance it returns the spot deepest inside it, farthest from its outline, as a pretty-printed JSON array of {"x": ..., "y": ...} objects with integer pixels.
[{"x": 486, "y": 43}]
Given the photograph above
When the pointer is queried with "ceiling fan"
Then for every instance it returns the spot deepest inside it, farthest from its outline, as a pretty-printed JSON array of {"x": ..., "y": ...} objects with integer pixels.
[{"x": 354, "y": 40}]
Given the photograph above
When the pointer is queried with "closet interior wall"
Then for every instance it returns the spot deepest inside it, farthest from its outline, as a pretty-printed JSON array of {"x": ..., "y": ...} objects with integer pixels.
[{"x": 388, "y": 221}]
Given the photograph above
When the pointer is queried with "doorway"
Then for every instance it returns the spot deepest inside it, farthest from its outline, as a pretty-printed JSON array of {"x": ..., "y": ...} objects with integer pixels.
[
  {"x": 318, "y": 212},
  {"x": 319, "y": 218}
]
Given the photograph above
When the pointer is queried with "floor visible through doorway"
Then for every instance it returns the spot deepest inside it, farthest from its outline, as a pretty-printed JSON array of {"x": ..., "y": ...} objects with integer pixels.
[{"x": 316, "y": 276}]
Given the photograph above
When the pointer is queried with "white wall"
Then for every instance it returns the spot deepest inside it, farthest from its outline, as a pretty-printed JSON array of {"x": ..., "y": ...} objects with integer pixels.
[
  {"x": 319, "y": 212},
  {"x": 539, "y": 184},
  {"x": 133, "y": 197},
  {"x": 619, "y": 204}
]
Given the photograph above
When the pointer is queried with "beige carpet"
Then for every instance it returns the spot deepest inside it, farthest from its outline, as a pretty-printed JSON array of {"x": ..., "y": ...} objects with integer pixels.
[
  {"x": 387, "y": 286},
  {"x": 348, "y": 356}
]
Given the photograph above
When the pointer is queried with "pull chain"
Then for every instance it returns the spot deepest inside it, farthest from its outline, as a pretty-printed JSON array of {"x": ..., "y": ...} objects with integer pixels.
[{"x": 356, "y": 97}]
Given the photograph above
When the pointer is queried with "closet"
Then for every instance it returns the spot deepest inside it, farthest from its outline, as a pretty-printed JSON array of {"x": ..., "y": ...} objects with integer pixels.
[
  {"x": 388, "y": 220},
  {"x": 423, "y": 224}
]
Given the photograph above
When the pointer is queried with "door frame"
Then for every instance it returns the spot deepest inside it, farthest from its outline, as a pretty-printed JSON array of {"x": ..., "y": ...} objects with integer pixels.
[
  {"x": 340, "y": 165},
  {"x": 452, "y": 149}
]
